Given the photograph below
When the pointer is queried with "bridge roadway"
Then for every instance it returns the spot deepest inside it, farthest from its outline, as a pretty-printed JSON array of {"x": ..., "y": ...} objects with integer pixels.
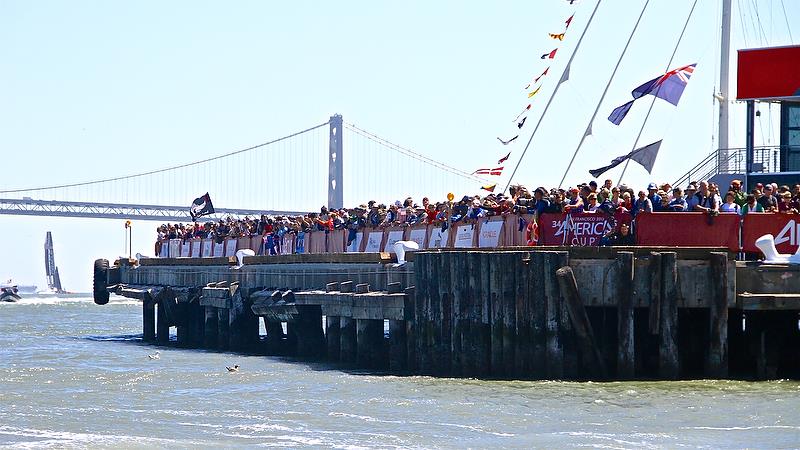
[{"x": 30, "y": 207}]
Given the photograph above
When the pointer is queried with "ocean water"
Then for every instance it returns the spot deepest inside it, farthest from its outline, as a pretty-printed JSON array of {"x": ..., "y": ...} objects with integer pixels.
[{"x": 74, "y": 374}]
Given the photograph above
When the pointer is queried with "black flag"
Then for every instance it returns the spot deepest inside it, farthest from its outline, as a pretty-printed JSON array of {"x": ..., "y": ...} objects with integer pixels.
[
  {"x": 646, "y": 156},
  {"x": 201, "y": 206}
]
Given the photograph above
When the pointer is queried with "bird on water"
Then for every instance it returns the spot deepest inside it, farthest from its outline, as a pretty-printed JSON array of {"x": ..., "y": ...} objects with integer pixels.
[
  {"x": 155, "y": 355},
  {"x": 235, "y": 368}
]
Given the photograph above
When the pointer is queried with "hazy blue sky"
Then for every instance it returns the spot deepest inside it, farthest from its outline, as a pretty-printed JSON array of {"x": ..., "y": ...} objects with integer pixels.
[{"x": 92, "y": 89}]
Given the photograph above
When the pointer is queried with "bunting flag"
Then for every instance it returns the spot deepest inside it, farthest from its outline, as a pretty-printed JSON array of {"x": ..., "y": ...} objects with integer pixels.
[
  {"x": 550, "y": 55},
  {"x": 669, "y": 87},
  {"x": 504, "y": 158},
  {"x": 569, "y": 21},
  {"x": 201, "y": 206},
  {"x": 519, "y": 125},
  {"x": 495, "y": 171},
  {"x": 489, "y": 187},
  {"x": 527, "y": 108},
  {"x": 559, "y": 36},
  {"x": 646, "y": 156},
  {"x": 572, "y": 2},
  {"x": 532, "y": 93},
  {"x": 536, "y": 80},
  {"x": 508, "y": 141}
]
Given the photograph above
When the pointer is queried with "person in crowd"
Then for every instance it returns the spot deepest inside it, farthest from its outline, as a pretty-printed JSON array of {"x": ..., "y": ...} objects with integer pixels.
[
  {"x": 713, "y": 190},
  {"x": 575, "y": 201},
  {"x": 622, "y": 237},
  {"x": 705, "y": 200},
  {"x": 664, "y": 206},
  {"x": 785, "y": 205},
  {"x": 691, "y": 196},
  {"x": 642, "y": 204},
  {"x": 542, "y": 202},
  {"x": 592, "y": 204},
  {"x": 593, "y": 187},
  {"x": 627, "y": 200},
  {"x": 615, "y": 196},
  {"x": 768, "y": 201},
  {"x": 652, "y": 195},
  {"x": 678, "y": 203},
  {"x": 752, "y": 205},
  {"x": 739, "y": 196},
  {"x": 608, "y": 184},
  {"x": 730, "y": 206}
]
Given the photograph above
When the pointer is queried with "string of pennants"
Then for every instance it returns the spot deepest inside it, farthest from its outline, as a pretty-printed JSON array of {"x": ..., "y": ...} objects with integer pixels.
[{"x": 532, "y": 89}]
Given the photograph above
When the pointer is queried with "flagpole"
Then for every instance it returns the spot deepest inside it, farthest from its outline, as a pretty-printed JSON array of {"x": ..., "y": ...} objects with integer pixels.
[
  {"x": 564, "y": 77},
  {"x": 605, "y": 91},
  {"x": 655, "y": 94}
]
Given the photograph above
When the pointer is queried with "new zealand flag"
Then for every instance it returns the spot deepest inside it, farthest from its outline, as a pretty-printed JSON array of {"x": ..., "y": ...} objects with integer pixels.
[{"x": 669, "y": 87}]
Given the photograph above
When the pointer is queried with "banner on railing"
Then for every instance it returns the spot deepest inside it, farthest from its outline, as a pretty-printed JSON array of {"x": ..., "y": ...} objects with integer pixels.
[
  {"x": 575, "y": 229},
  {"x": 438, "y": 238},
  {"x": 784, "y": 227},
  {"x": 355, "y": 246},
  {"x": 374, "y": 239},
  {"x": 464, "y": 234},
  {"x": 208, "y": 248},
  {"x": 392, "y": 236},
  {"x": 195, "y": 248},
  {"x": 489, "y": 235},
  {"x": 418, "y": 235},
  {"x": 688, "y": 229},
  {"x": 185, "y": 247}
]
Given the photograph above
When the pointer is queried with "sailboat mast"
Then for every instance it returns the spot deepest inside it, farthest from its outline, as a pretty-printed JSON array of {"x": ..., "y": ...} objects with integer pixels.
[{"x": 724, "y": 88}]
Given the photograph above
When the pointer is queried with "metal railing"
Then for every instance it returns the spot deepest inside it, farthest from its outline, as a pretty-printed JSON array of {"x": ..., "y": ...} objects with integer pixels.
[{"x": 766, "y": 159}]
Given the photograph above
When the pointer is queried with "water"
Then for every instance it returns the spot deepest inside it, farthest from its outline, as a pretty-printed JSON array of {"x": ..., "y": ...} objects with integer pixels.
[{"x": 74, "y": 375}]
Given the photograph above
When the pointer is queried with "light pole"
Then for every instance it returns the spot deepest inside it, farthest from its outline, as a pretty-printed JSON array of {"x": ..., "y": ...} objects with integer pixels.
[{"x": 129, "y": 229}]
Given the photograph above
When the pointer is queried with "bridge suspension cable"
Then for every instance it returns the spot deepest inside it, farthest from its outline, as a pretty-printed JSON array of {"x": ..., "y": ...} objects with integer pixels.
[
  {"x": 166, "y": 169},
  {"x": 412, "y": 154}
]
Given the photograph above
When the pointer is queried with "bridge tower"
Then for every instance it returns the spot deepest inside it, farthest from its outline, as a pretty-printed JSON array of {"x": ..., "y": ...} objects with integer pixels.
[{"x": 335, "y": 172}]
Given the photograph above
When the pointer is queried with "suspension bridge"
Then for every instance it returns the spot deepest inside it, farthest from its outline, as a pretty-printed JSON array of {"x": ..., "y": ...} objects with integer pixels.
[{"x": 332, "y": 164}]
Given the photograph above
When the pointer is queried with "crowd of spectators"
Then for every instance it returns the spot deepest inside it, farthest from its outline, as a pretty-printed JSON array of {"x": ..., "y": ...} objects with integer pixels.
[{"x": 620, "y": 203}]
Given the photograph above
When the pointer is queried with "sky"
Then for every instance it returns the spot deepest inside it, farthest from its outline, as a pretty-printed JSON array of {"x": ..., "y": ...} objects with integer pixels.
[{"x": 96, "y": 89}]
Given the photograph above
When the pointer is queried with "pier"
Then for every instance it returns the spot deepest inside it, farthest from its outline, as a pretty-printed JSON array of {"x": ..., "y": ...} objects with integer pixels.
[{"x": 579, "y": 313}]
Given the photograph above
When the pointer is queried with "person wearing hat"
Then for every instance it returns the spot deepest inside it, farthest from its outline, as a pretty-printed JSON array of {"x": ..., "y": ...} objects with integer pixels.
[
  {"x": 575, "y": 202},
  {"x": 768, "y": 200},
  {"x": 542, "y": 203},
  {"x": 652, "y": 194},
  {"x": 739, "y": 196},
  {"x": 691, "y": 197}
]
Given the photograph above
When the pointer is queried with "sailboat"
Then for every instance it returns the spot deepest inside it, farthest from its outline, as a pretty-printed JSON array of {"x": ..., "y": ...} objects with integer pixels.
[{"x": 54, "y": 288}]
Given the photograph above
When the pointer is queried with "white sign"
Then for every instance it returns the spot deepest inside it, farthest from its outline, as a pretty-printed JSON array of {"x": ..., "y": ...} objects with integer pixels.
[
  {"x": 219, "y": 249},
  {"x": 185, "y": 249},
  {"x": 418, "y": 236},
  {"x": 174, "y": 248},
  {"x": 195, "y": 248},
  {"x": 374, "y": 242},
  {"x": 207, "y": 247},
  {"x": 394, "y": 236},
  {"x": 489, "y": 235},
  {"x": 463, "y": 236},
  {"x": 230, "y": 247},
  {"x": 355, "y": 246},
  {"x": 438, "y": 238}
]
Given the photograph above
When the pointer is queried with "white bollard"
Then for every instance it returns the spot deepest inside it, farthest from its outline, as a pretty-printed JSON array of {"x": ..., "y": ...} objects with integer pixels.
[
  {"x": 400, "y": 249},
  {"x": 240, "y": 254}
]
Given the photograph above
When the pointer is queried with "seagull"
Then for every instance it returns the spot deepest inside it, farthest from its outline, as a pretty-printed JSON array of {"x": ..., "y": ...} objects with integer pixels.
[
  {"x": 155, "y": 355},
  {"x": 235, "y": 368}
]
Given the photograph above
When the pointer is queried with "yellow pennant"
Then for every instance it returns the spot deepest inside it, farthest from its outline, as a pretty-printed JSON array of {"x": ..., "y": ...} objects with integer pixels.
[
  {"x": 559, "y": 36},
  {"x": 534, "y": 92},
  {"x": 489, "y": 187}
]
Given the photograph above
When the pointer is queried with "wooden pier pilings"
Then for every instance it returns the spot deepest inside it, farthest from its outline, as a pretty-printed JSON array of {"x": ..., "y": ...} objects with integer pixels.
[{"x": 527, "y": 313}]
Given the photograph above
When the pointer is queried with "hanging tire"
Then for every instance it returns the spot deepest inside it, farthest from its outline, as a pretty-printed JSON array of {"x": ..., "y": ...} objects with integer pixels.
[{"x": 100, "y": 292}]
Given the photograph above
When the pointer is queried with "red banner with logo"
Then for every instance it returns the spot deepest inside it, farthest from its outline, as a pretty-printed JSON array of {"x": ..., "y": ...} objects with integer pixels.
[
  {"x": 784, "y": 227},
  {"x": 688, "y": 229},
  {"x": 576, "y": 229}
]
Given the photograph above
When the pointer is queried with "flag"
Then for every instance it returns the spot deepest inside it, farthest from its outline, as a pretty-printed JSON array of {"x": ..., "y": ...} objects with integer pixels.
[
  {"x": 504, "y": 158},
  {"x": 527, "y": 108},
  {"x": 572, "y": 2},
  {"x": 550, "y": 55},
  {"x": 532, "y": 93},
  {"x": 519, "y": 125},
  {"x": 536, "y": 80},
  {"x": 669, "y": 87},
  {"x": 646, "y": 156},
  {"x": 489, "y": 187},
  {"x": 495, "y": 171},
  {"x": 559, "y": 36},
  {"x": 569, "y": 21},
  {"x": 508, "y": 141},
  {"x": 201, "y": 206}
]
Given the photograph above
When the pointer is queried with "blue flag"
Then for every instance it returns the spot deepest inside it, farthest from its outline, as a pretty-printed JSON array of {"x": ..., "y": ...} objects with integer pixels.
[{"x": 669, "y": 87}]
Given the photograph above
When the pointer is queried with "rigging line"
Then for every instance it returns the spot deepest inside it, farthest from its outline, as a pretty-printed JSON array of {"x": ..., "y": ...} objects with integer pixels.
[
  {"x": 786, "y": 18},
  {"x": 742, "y": 23},
  {"x": 411, "y": 153},
  {"x": 605, "y": 91},
  {"x": 86, "y": 183},
  {"x": 758, "y": 21},
  {"x": 564, "y": 77},
  {"x": 655, "y": 94}
]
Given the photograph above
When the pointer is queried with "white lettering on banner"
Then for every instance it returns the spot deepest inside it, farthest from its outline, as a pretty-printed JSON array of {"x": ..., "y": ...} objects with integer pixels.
[
  {"x": 418, "y": 236},
  {"x": 438, "y": 238},
  {"x": 392, "y": 238},
  {"x": 581, "y": 230},
  {"x": 374, "y": 242},
  {"x": 490, "y": 234},
  {"x": 463, "y": 236},
  {"x": 790, "y": 233}
]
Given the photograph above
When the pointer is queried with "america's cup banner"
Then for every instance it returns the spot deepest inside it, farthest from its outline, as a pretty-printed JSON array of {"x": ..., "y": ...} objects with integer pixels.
[
  {"x": 784, "y": 227},
  {"x": 576, "y": 229}
]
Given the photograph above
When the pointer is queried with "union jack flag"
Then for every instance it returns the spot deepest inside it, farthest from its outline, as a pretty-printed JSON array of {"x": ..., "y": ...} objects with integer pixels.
[{"x": 668, "y": 87}]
